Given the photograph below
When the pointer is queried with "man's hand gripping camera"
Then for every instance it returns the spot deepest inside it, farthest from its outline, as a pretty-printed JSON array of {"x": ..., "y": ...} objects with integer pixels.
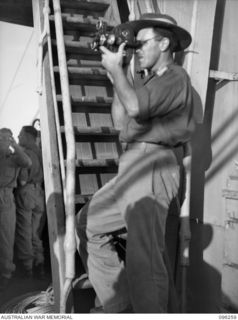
[{"x": 112, "y": 39}]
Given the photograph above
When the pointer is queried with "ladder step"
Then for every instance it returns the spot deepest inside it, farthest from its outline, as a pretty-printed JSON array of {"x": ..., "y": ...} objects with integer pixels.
[
  {"x": 85, "y": 29},
  {"x": 76, "y": 19},
  {"x": 94, "y": 131},
  {"x": 96, "y": 165},
  {"x": 87, "y": 104},
  {"x": 96, "y": 170},
  {"x": 86, "y": 76},
  {"x": 96, "y": 162},
  {"x": 84, "y": 7},
  {"x": 86, "y": 26},
  {"x": 82, "y": 199},
  {"x": 82, "y": 50},
  {"x": 85, "y": 71},
  {"x": 98, "y": 101}
]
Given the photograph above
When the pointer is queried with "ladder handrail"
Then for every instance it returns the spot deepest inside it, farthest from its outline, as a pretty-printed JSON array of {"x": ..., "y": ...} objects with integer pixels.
[
  {"x": 46, "y": 34},
  {"x": 70, "y": 241}
]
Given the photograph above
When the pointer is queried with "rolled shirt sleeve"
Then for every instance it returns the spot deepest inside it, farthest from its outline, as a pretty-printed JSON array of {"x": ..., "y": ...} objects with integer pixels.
[
  {"x": 160, "y": 95},
  {"x": 165, "y": 110}
]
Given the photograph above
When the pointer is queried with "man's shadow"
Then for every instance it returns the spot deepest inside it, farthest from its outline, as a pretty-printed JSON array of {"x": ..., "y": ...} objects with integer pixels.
[{"x": 204, "y": 281}]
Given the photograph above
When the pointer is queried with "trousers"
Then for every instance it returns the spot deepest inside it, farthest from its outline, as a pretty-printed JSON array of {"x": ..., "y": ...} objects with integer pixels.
[
  {"x": 137, "y": 198},
  {"x": 7, "y": 231},
  {"x": 30, "y": 209}
]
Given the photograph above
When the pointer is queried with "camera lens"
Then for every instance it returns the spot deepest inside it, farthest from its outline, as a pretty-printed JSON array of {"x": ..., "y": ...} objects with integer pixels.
[
  {"x": 99, "y": 25},
  {"x": 94, "y": 45},
  {"x": 125, "y": 33},
  {"x": 103, "y": 40},
  {"x": 111, "y": 39}
]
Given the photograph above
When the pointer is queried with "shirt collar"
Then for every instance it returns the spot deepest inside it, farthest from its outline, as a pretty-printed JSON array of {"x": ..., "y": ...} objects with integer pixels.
[{"x": 146, "y": 75}]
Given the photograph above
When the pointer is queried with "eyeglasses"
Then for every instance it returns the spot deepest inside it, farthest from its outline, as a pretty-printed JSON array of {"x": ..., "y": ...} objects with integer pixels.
[{"x": 141, "y": 43}]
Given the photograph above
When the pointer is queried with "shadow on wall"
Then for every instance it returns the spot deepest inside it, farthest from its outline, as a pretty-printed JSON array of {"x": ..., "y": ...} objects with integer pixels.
[
  {"x": 204, "y": 290},
  {"x": 205, "y": 296},
  {"x": 204, "y": 281}
]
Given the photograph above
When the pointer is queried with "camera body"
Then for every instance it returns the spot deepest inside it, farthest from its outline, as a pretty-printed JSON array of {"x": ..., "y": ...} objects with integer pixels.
[{"x": 111, "y": 39}]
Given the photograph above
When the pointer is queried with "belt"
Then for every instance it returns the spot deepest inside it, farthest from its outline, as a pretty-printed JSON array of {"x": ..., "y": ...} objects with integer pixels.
[{"x": 142, "y": 146}]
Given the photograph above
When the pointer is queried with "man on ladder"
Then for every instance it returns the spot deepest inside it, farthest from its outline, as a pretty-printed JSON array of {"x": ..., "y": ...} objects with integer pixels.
[{"x": 153, "y": 120}]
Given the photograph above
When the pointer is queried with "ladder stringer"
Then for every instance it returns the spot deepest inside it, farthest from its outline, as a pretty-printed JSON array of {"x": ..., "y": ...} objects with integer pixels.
[{"x": 52, "y": 176}]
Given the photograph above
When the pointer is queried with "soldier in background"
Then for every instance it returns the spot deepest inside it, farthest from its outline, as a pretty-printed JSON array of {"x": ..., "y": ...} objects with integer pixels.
[
  {"x": 12, "y": 159},
  {"x": 30, "y": 208},
  {"x": 36, "y": 125}
]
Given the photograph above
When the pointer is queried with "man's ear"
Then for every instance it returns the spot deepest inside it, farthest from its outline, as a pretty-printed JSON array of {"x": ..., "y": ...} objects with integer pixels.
[{"x": 164, "y": 44}]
